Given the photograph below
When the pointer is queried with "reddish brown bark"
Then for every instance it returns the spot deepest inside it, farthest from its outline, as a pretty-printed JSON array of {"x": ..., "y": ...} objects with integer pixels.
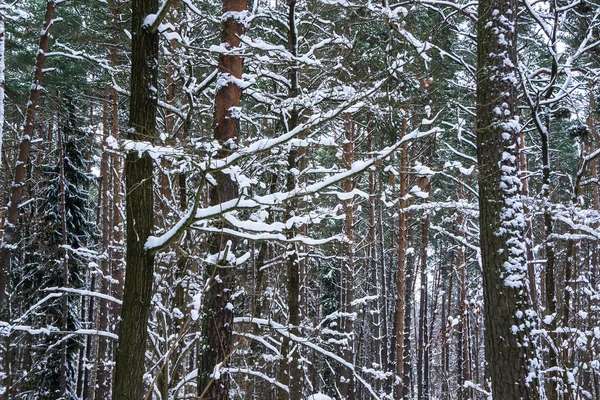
[{"x": 218, "y": 319}]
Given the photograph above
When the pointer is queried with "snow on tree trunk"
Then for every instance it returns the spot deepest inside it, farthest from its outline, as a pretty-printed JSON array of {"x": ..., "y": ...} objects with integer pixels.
[
  {"x": 508, "y": 314},
  {"x": 218, "y": 315}
]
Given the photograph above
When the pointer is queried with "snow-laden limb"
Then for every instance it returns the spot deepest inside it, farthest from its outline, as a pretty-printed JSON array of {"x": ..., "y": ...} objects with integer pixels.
[
  {"x": 460, "y": 239},
  {"x": 88, "y": 293},
  {"x": 461, "y": 183},
  {"x": 152, "y": 22},
  {"x": 36, "y": 305},
  {"x": 271, "y": 236},
  {"x": 283, "y": 331},
  {"x": 468, "y": 9},
  {"x": 317, "y": 119},
  {"x": 259, "y": 339},
  {"x": 478, "y": 388},
  {"x": 193, "y": 375},
  {"x": 318, "y": 396},
  {"x": 155, "y": 152},
  {"x": 258, "y": 374},
  {"x": 547, "y": 29},
  {"x": 195, "y": 214},
  {"x": 6, "y": 328},
  {"x": 82, "y": 252},
  {"x": 180, "y": 112}
]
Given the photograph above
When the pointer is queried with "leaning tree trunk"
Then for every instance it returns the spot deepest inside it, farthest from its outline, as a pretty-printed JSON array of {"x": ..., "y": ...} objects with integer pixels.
[
  {"x": 218, "y": 316},
  {"x": 503, "y": 254},
  {"x": 129, "y": 369},
  {"x": 9, "y": 227}
]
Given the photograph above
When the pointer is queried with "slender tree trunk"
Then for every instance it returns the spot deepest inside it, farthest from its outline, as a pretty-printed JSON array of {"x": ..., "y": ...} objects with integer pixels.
[
  {"x": 100, "y": 377},
  {"x": 117, "y": 267},
  {"x": 65, "y": 262},
  {"x": 400, "y": 277},
  {"x": 2, "y": 42},
  {"x": 375, "y": 289},
  {"x": 218, "y": 315},
  {"x": 422, "y": 353},
  {"x": 383, "y": 310},
  {"x": 346, "y": 377},
  {"x": 409, "y": 289},
  {"x": 501, "y": 218},
  {"x": 446, "y": 273},
  {"x": 462, "y": 314},
  {"x": 129, "y": 369}
]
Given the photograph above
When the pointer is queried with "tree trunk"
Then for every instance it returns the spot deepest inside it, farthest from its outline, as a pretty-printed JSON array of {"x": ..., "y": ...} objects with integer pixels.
[
  {"x": 346, "y": 377},
  {"x": 65, "y": 264},
  {"x": 409, "y": 288},
  {"x": 291, "y": 370},
  {"x": 501, "y": 218},
  {"x": 2, "y": 42},
  {"x": 422, "y": 353},
  {"x": 400, "y": 277},
  {"x": 7, "y": 241},
  {"x": 129, "y": 369},
  {"x": 100, "y": 378},
  {"x": 218, "y": 315}
]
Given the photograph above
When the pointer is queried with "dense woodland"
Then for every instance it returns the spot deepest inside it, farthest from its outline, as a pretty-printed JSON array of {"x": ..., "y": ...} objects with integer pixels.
[{"x": 299, "y": 199}]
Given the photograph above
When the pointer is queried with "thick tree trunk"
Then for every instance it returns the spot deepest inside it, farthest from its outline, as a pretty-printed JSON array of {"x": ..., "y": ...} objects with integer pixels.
[
  {"x": 218, "y": 315},
  {"x": 129, "y": 369},
  {"x": 291, "y": 373},
  {"x": 502, "y": 223}
]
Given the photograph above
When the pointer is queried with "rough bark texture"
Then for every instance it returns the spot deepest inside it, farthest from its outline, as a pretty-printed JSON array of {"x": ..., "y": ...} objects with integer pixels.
[
  {"x": 502, "y": 223},
  {"x": 129, "y": 369},
  {"x": 218, "y": 315}
]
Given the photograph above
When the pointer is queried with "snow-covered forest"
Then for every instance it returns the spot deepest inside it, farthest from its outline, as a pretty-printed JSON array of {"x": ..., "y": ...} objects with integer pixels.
[{"x": 299, "y": 199}]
